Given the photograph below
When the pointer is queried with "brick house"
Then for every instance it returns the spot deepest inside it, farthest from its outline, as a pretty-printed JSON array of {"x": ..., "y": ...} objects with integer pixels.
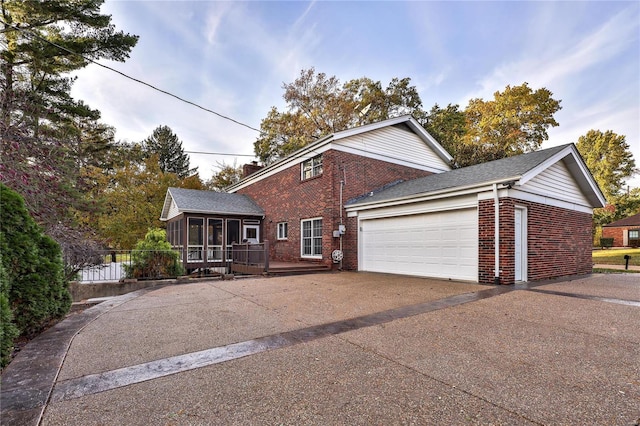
[
  {"x": 625, "y": 232},
  {"x": 383, "y": 197}
]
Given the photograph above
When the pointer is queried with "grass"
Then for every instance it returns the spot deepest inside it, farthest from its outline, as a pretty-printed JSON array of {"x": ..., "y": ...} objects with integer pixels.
[
  {"x": 614, "y": 271},
  {"x": 615, "y": 256}
]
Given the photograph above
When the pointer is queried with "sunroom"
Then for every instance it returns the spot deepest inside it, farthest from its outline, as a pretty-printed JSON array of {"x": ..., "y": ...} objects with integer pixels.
[{"x": 204, "y": 225}]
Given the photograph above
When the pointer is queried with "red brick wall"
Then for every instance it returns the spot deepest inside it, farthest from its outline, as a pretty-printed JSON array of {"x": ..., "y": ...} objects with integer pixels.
[
  {"x": 615, "y": 233},
  {"x": 285, "y": 198},
  {"x": 558, "y": 241}
]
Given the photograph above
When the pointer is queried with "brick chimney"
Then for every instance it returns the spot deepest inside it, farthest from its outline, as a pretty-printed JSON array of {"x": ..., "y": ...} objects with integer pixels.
[{"x": 249, "y": 169}]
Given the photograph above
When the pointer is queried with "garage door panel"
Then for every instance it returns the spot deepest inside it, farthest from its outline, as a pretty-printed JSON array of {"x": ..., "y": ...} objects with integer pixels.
[{"x": 443, "y": 244}]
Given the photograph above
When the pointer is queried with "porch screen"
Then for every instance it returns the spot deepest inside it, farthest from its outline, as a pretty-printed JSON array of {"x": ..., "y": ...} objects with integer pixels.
[
  {"x": 233, "y": 235},
  {"x": 214, "y": 239},
  {"x": 195, "y": 239}
]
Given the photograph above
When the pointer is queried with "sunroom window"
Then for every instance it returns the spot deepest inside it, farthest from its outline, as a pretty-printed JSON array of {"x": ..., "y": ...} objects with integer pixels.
[
  {"x": 195, "y": 239},
  {"x": 214, "y": 239}
]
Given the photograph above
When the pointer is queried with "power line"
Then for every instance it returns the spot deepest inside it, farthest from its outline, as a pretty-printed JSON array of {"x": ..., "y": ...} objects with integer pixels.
[
  {"x": 33, "y": 34},
  {"x": 220, "y": 153}
]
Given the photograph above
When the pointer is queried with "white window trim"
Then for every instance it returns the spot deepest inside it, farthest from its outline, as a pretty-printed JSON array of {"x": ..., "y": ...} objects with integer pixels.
[
  {"x": 282, "y": 226},
  {"x": 315, "y": 167},
  {"x": 309, "y": 256}
]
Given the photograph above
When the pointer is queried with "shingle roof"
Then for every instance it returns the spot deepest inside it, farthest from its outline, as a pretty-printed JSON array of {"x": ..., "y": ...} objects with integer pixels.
[
  {"x": 627, "y": 221},
  {"x": 505, "y": 168},
  {"x": 192, "y": 200}
]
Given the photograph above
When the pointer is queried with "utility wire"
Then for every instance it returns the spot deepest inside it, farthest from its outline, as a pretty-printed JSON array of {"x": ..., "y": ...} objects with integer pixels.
[
  {"x": 35, "y": 35},
  {"x": 219, "y": 153}
]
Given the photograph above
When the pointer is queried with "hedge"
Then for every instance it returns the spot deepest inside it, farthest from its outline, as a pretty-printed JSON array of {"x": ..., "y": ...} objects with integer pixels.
[{"x": 35, "y": 286}]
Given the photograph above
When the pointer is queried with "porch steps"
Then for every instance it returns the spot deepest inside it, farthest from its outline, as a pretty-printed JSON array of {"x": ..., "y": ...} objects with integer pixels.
[{"x": 294, "y": 269}]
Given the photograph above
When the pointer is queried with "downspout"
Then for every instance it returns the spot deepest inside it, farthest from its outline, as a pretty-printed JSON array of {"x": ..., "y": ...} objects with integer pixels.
[
  {"x": 341, "y": 223},
  {"x": 496, "y": 242}
]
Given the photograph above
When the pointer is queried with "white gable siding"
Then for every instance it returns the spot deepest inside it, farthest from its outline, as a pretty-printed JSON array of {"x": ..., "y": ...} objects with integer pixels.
[
  {"x": 393, "y": 145},
  {"x": 558, "y": 183},
  {"x": 173, "y": 210}
]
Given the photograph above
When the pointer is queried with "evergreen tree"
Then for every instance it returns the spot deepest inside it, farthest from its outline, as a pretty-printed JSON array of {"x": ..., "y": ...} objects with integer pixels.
[
  {"x": 166, "y": 145},
  {"x": 36, "y": 288},
  {"x": 48, "y": 138}
]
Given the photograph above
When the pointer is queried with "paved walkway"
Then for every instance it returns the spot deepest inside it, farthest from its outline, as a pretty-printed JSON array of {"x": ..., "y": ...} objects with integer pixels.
[{"x": 348, "y": 348}]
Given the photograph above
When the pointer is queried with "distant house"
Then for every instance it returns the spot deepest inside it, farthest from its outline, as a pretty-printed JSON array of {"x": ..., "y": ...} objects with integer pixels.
[
  {"x": 383, "y": 197},
  {"x": 625, "y": 232}
]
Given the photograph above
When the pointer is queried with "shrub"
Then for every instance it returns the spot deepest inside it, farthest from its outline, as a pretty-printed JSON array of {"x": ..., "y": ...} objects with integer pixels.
[
  {"x": 606, "y": 242},
  {"x": 36, "y": 288},
  {"x": 8, "y": 330},
  {"x": 153, "y": 257}
]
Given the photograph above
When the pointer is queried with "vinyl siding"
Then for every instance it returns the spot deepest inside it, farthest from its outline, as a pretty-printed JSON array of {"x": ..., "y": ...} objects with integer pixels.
[
  {"x": 173, "y": 210},
  {"x": 557, "y": 182},
  {"x": 394, "y": 145}
]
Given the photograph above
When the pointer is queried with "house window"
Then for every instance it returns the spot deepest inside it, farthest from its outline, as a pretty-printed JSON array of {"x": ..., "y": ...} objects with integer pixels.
[
  {"x": 283, "y": 230},
  {"x": 214, "y": 239},
  {"x": 311, "y": 238},
  {"x": 634, "y": 234},
  {"x": 195, "y": 239},
  {"x": 312, "y": 167}
]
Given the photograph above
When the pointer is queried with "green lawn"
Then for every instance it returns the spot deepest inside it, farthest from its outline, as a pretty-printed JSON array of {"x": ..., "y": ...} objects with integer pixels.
[{"x": 616, "y": 256}]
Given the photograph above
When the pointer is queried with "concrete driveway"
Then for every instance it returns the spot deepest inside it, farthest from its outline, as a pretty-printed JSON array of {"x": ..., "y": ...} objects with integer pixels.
[{"x": 341, "y": 348}]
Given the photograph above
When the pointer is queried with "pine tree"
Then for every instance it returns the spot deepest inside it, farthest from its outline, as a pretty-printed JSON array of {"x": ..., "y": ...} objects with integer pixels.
[{"x": 166, "y": 145}]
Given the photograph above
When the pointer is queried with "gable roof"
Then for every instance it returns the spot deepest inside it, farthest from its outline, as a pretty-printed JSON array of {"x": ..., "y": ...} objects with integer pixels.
[
  {"x": 406, "y": 121},
  {"x": 627, "y": 221},
  {"x": 209, "y": 202},
  {"x": 516, "y": 170}
]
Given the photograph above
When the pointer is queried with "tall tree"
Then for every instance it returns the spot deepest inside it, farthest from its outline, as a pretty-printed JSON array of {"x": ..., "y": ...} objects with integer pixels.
[
  {"x": 515, "y": 121},
  {"x": 47, "y": 136},
  {"x": 609, "y": 159},
  {"x": 447, "y": 125},
  {"x": 226, "y": 175},
  {"x": 42, "y": 43},
  {"x": 131, "y": 198},
  {"x": 318, "y": 105},
  {"x": 168, "y": 148}
]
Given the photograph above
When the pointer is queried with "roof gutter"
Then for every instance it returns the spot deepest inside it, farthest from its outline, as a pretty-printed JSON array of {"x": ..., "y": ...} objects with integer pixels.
[{"x": 421, "y": 195}]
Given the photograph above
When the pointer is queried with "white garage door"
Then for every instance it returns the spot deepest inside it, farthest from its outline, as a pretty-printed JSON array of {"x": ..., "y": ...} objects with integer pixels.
[{"x": 443, "y": 245}]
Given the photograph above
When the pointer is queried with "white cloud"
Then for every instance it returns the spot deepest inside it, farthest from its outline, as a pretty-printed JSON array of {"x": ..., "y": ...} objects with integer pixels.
[{"x": 550, "y": 66}]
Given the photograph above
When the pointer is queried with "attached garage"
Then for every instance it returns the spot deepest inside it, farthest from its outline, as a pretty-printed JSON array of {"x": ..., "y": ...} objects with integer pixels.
[
  {"x": 518, "y": 219},
  {"x": 438, "y": 244}
]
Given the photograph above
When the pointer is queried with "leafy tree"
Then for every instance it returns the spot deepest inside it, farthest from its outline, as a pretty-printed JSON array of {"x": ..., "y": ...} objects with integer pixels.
[
  {"x": 515, "y": 121},
  {"x": 318, "y": 105},
  {"x": 131, "y": 199},
  {"x": 609, "y": 159},
  {"x": 37, "y": 290},
  {"x": 227, "y": 175},
  {"x": 447, "y": 125},
  {"x": 166, "y": 145},
  {"x": 153, "y": 257}
]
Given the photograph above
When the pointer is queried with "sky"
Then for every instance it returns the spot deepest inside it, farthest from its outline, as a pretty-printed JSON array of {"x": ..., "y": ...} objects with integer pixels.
[{"x": 234, "y": 57}]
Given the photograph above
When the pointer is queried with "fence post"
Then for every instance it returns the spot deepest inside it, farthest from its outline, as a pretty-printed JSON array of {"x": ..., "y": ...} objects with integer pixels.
[{"x": 266, "y": 256}]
